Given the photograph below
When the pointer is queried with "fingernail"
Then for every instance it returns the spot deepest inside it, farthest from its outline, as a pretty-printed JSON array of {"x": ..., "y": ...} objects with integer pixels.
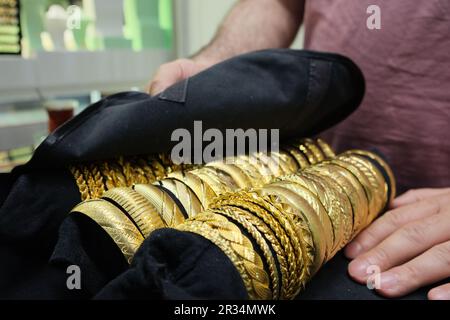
[
  {"x": 388, "y": 281},
  {"x": 358, "y": 269},
  {"x": 353, "y": 249},
  {"x": 439, "y": 294}
]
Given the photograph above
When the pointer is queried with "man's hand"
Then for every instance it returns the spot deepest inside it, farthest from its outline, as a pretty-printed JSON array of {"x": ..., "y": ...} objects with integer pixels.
[
  {"x": 172, "y": 72},
  {"x": 410, "y": 245}
]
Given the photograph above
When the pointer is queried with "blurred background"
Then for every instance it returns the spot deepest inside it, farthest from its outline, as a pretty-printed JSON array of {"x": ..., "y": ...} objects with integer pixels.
[{"x": 59, "y": 56}]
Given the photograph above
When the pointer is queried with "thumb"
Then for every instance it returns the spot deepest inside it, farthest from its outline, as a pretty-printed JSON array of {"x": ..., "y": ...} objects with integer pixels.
[{"x": 170, "y": 73}]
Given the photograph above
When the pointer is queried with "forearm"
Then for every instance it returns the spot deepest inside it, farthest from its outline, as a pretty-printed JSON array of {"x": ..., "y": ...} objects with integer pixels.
[{"x": 253, "y": 25}]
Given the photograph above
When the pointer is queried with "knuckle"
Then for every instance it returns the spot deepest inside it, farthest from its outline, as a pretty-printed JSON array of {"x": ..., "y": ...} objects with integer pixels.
[
  {"x": 409, "y": 272},
  {"x": 367, "y": 239},
  {"x": 394, "y": 218},
  {"x": 415, "y": 233},
  {"x": 379, "y": 257},
  {"x": 442, "y": 253}
]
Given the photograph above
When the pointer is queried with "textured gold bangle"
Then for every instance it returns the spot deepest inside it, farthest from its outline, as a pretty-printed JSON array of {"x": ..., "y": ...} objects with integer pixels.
[
  {"x": 312, "y": 220},
  {"x": 256, "y": 167},
  {"x": 286, "y": 222},
  {"x": 311, "y": 145},
  {"x": 298, "y": 156},
  {"x": 240, "y": 216},
  {"x": 164, "y": 204},
  {"x": 308, "y": 154},
  {"x": 201, "y": 189},
  {"x": 220, "y": 182},
  {"x": 279, "y": 241},
  {"x": 363, "y": 181},
  {"x": 326, "y": 148},
  {"x": 238, "y": 176},
  {"x": 313, "y": 203},
  {"x": 374, "y": 175},
  {"x": 351, "y": 187},
  {"x": 141, "y": 211},
  {"x": 383, "y": 164},
  {"x": 373, "y": 188},
  {"x": 239, "y": 249},
  {"x": 81, "y": 183},
  {"x": 111, "y": 219},
  {"x": 287, "y": 162},
  {"x": 338, "y": 207},
  {"x": 273, "y": 165},
  {"x": 184, "y": 194},
  {"x": 287, "y": 239}
]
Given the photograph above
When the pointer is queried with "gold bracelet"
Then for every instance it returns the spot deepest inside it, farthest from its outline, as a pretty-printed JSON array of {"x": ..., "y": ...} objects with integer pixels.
[
  {"x": 311, "y": 145},
  {"x": 241, "y": 216},
  {"x": 111, "y": 219},
  {"x": 220, "y": 182},
  {"x": 338, "y": 207},
  {"x": 371, "y": 184},
  {"x": 363, "y": 181},
  {"x": 383, "y": 164},
  {"x": 184, "y": 194},
  {"x": 308, "y": 215},
  {"x": 326, "y": 148},
  {"x": 313, "y": 203},
  {"x": 351, "y": 187},
  {"x": 293, "y": 258},
  {"x": 298, "y": 156},
  {"x": 164, "y": 204},
  {"x": 141, "y": 211},
  {"x": 201, "y": 189},
  {"x": 279, "y": 242},
  {"x": 239, "y": 249}
]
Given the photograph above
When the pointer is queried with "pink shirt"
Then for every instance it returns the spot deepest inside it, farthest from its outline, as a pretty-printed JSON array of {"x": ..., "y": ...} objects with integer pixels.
[{"x": 406, "y": 111}]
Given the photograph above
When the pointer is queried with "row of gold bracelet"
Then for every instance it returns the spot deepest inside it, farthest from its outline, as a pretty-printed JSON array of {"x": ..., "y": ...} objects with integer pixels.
[
  {"x": 94, "y": 179},
  {"x": 288, "y": 228},
  {"x": 182, "y": 193},
  {"x": 297, "y": 223}
]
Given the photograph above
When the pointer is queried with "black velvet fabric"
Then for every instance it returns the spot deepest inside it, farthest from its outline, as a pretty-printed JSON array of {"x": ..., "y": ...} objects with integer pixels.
[{"x": 300, "y": 92}]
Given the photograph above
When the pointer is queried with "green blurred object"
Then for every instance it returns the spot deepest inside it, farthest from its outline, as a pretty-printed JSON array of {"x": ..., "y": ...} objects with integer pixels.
[
  {"x": 148, "y": 23},
  {"x": 32, "y": 14}
]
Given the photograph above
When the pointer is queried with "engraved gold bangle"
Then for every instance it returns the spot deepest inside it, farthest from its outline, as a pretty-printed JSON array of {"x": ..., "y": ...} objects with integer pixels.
[
  {"x": 201, "y": 189},
  {"x": 240, "y": 216},
  {"x": 164, "y": 204},
  {"x": 383, "y": 164},
  {"x": 288, "y": 239},
  {"x": 184, "y": 194},
  {"x": 279, "y": 242},
  {"x": 326, "y": 148},
  {"x": 237, "y": 247},
  {"x": 314, "y": 203},
  {"x": 143, "y": 213},
  {"x": 111, "y": 219},
  {"x": 311, "y": 218}
]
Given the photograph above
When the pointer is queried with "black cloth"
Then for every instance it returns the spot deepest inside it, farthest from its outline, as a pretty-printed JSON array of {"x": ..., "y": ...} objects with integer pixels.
[{"x": 299, "y": 92}]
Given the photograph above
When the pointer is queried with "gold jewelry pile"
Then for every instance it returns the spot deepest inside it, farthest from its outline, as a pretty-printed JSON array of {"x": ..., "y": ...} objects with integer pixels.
[
  {"x": 95, "y": 179},
  {"x": 276, "y": 217}
]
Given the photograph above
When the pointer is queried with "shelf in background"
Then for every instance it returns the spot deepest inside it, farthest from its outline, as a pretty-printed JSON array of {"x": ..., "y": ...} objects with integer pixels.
[{"x": 52, "y": 74}]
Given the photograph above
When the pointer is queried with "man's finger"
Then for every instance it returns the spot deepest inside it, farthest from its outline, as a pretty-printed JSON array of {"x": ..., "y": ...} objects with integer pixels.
[
  {"x": 417, "y": 195},
  {"x": 440, "y": 293},
  {"x": 167, "y": 75},
  {"x": 404, "y": 244},
  {"x": 392, "y": 221},
  {"x": 428, "y": 268}
]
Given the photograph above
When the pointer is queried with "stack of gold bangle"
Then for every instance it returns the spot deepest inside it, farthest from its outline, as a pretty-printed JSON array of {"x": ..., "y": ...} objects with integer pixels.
[
  {"x": 278, "y": 217},
  {"x": 179, "y": 193},
  {"x": 299, "y": 222},
  {"x": 95, "y": 179}
]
